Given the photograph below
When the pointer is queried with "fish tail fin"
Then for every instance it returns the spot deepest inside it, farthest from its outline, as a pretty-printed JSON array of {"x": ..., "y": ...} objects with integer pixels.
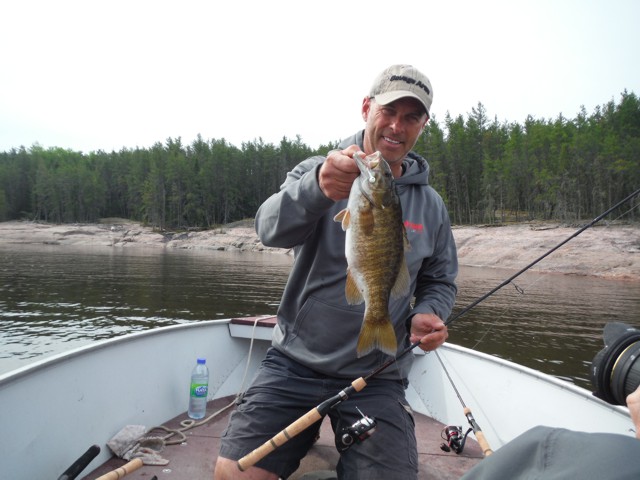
[{"x": 377, "y": 335}]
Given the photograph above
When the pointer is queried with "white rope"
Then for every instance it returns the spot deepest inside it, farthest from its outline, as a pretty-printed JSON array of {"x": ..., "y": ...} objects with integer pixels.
[{"x": 190, "y": 423}]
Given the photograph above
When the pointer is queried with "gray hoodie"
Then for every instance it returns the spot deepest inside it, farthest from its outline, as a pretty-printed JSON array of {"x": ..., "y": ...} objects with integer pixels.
[{"x": 316, "y": 326}]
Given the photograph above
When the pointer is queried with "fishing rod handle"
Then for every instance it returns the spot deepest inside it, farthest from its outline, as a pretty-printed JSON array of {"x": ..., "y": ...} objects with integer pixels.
[
  {"x": 479, "y": 434},
  {"x": 118, "y": 473},
  {"x": 301, "y": 424},
  {"x": 482, "y": 441}
]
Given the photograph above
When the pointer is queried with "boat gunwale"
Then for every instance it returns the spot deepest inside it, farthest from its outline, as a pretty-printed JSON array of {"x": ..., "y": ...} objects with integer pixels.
[
  {"x": 541, "y": 376},
  {"x": 266, "y": 321},
  {"x": 52, "y": 360},
  {"x": 262, "y": 325}
]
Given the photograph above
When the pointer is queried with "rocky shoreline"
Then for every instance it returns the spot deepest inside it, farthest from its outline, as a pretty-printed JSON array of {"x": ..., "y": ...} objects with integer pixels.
[{"x": 607, "y": 250}]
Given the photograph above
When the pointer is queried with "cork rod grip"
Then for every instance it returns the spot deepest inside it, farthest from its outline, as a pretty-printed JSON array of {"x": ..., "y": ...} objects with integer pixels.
[
  {"x": 482, "y": 441},
  {"x": 477, "y": 431},
  {"x": 358, "y": 384},
  {"x": 269, "y": 446},
  {"x": 118, "y": 473}
]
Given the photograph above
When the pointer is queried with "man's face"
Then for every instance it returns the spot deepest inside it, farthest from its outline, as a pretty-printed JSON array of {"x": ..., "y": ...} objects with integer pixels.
[{"x": 392, "y": 129}]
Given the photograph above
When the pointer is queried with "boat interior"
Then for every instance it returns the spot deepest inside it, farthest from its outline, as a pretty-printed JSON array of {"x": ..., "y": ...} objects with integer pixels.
[{"x": 195, "y": 456}]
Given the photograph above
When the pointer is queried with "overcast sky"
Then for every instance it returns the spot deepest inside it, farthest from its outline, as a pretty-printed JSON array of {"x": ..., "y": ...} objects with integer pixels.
[{"x": 101, "y": 75}]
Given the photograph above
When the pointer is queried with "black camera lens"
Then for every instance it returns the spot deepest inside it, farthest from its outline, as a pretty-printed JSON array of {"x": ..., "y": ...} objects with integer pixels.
[{"x": 615, "y": 370}]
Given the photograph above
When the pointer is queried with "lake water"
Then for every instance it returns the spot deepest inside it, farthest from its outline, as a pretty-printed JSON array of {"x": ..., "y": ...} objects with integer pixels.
[{"x": 55, "y": 298}]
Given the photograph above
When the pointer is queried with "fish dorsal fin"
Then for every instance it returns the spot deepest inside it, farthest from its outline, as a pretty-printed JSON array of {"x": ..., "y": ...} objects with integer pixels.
[
  {"x": 345, "y": 217},
  {"x": 351, "y": 291},
  {"x": 403, "y": 281}
]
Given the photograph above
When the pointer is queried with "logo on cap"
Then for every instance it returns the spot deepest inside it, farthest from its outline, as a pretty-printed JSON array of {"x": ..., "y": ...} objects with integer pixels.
[{"x": 411, "y": 81}]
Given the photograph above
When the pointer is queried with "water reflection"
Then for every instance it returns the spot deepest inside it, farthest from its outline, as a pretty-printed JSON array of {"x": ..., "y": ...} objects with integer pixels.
[
  {"x": 55, "y": 298},
  {"x": 550, "y": 322}
]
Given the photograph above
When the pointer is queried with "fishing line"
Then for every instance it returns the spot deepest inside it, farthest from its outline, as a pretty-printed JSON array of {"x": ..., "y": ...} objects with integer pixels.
[
  {"x": 520, "y": 272},
  {"x": 522, "y": 290},
  {"x": 506, "y": 282},
  {"x": 497, "y": 320},
  {"x": 450, "y": 379},
  {"x": 623, "y": 214},
  {"x": 318, "y": 412}
]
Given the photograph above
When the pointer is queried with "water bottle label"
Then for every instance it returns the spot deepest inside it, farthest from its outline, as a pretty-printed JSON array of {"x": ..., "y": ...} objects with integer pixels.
[{"x": 198, "y": 390}]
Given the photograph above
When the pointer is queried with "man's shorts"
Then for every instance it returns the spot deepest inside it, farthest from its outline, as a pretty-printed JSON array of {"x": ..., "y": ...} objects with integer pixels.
[{"x": 284, "y": 390}]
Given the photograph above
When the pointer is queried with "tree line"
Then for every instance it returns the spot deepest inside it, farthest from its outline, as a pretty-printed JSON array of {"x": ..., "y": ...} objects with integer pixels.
[{"x": 487, "y": 172}]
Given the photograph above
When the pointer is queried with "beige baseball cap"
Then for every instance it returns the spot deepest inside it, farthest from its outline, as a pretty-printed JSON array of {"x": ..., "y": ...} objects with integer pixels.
[{"x": 399, "y": 81}]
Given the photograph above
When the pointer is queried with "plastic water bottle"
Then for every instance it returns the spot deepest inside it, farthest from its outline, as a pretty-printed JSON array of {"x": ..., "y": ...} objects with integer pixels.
[{"x": 199, "y": 390}]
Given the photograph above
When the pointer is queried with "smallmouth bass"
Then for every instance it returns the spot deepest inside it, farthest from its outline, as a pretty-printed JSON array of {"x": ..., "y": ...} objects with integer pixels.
[{"x": 375, "y": 244}]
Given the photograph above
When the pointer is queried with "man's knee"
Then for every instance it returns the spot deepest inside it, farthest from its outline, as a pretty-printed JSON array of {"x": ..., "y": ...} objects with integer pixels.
[{"x": 227, "y": 469}]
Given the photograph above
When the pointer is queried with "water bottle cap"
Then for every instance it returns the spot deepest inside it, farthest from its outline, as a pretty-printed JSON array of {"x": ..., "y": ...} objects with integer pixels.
[{"x": 202, "y": 361}]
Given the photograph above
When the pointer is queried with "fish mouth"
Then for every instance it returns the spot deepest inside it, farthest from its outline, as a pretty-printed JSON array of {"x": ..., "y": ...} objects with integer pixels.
[
  {"x": 367, "y": 163},
  {"x": 364, "y": 166}
]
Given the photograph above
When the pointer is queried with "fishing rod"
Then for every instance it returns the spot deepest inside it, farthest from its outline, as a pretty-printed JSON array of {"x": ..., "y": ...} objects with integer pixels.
[
  {"x": 477, "y": 431},
  {"x": 506, "y": 282},
  {"x": 300, "y": 425},
  {"x": 453, "y": 432},
  {"x": 517, "y": 274},
  {"x": 316, "y": 413}
]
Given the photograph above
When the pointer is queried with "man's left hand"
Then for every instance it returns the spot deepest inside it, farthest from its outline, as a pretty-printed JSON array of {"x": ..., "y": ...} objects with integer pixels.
[{"x": 429, "y": 329}]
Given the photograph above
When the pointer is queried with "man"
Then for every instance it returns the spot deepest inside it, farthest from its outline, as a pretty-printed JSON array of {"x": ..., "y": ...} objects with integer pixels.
[{"x": 314, "y": 345}]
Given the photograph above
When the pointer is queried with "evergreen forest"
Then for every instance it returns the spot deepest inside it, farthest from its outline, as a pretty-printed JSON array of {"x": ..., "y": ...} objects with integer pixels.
[{"x": 487, "y": 171}]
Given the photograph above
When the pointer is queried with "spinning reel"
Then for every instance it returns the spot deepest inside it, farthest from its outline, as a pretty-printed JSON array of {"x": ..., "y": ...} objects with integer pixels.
[
  {"x": 454, "y": 437},
  {"x": 348, "y": 435}
]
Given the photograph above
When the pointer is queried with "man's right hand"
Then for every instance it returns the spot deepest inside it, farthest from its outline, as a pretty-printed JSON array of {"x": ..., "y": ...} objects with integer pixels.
[{"x": 338, "y": 173}]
